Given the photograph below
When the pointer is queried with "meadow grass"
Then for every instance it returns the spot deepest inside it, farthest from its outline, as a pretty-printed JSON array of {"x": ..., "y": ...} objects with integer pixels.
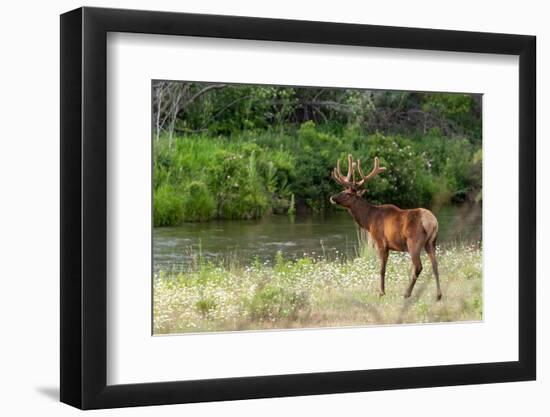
[{"x": 316, "y": 292}]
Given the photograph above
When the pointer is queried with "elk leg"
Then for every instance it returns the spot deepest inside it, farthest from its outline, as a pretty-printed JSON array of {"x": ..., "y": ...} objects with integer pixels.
[
  {"x": 417, "y": 268},
  {"x": 430, "y": 248},
  {"x": 383, "y": 255}
]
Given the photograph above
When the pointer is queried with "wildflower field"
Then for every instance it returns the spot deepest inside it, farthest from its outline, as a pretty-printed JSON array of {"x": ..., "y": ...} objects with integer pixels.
[{"x": 316, "y": 292}]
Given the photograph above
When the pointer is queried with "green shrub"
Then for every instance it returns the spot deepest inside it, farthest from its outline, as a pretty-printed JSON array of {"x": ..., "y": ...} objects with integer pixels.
[
  {"x": 167, "y": 206},
  {"x": 239, "y": 188},
  {"x": 206, "y": 305},
  {"x": 458, "y": 167},
  {"x": 406, "y": 182},
  {"x": 249, "y": 174},
  {"x": 274, "y": 302},
  {"x": 453, "y": 162},
  {"x": 198, "y": 203}
]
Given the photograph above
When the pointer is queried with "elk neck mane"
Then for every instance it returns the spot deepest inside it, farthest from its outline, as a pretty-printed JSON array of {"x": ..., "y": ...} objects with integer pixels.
[{"x": 365, "y": 213}]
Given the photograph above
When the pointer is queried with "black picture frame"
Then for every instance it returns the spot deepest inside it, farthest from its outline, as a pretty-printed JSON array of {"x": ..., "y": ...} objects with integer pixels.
[{"x": 84, "y": 207}]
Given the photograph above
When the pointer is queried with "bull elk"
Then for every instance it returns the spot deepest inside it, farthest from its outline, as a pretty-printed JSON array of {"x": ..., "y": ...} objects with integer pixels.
[{"x": 391, "y": 228}]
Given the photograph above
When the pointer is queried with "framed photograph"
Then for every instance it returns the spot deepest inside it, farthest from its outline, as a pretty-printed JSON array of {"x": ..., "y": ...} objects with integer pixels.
[{"x": 256, "y": 208}]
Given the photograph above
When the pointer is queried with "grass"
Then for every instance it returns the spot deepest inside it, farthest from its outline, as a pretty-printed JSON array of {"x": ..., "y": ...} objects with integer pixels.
[{"x": 317, "y": 292}]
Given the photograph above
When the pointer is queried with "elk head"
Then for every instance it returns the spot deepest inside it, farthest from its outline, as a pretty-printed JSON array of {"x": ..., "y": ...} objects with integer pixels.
[{"x": 353, "y": 190}]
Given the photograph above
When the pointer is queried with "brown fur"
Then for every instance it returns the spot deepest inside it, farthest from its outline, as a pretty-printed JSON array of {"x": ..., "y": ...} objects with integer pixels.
[{"x": 394, "y": 229}]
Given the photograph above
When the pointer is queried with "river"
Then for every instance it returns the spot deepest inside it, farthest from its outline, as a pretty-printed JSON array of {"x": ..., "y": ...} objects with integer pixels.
[{"x": 334, "y": 234}]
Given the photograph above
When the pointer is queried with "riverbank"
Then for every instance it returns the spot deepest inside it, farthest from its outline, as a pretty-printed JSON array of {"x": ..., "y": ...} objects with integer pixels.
[
  {"x": 199, "y": 178},
  {"x": 311, "y": 292}
]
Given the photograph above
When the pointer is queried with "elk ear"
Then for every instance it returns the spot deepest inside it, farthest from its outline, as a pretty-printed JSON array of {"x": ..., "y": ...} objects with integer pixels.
[{"x": 361, "y": 192}]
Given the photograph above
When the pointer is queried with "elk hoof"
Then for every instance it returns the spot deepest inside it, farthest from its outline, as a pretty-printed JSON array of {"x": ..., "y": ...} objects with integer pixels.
[
  {"x": 439, "y": 296},
  {"x": 407, "y": 295},
  {"x": 381, "y": 293}
]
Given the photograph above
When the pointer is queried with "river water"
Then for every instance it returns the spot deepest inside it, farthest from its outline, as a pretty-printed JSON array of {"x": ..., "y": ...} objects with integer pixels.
[{"x": 334, "y": 234}]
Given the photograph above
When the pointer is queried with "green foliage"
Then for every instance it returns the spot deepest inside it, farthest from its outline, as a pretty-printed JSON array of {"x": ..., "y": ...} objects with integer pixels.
[
  {"x": 292, "y": 206},
  {"x": 198, "y": 203},
  {"x": 476, "y": 174},
  {"x": 226, "y": 109},
  {"x": 315, "y": 153},
  {"x": 457, "y": 168},
  {"x": 406, "y": 181},
  {"x": 274, "y": 302},
  {"x": 206, "y": 305},
  {"x": 199, "y": 177},
  {"x": 215, "y": 178},
  {"x": 167, "y": 206},
  {"x": 238, "y": 186},
  {"x": 454, "y": 161},
  {"x": 242, "y": 151},
  {"x": 461, "y": 112}
]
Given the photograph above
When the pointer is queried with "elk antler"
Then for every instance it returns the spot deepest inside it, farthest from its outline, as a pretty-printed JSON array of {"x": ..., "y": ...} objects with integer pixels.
[
  {"x": 375, "y": 171},
  {"x": 349, "y": 179}
]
